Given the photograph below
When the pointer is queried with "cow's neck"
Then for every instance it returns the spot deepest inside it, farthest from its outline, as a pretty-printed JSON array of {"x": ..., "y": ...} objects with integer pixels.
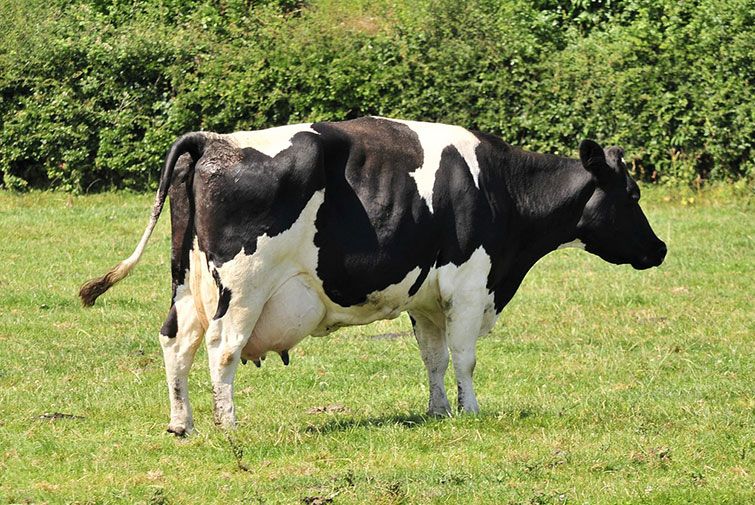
[
  {"x": 546, "y": 197},
  {"x": 549, "y": 194}
]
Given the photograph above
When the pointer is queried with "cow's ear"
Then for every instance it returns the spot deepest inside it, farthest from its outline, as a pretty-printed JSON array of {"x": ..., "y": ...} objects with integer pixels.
[{"x": 593, "y": 158}]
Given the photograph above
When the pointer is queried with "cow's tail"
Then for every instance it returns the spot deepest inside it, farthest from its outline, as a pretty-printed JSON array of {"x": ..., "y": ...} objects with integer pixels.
[{"x": 193, "y": 143}]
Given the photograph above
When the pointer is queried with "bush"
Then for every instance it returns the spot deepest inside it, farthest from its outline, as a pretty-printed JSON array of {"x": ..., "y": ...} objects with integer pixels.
[{"x": 92, "y": 92}]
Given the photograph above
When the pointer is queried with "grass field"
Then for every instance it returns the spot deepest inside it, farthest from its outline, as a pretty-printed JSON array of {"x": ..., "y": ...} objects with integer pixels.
[{"x": 599, "y": 384}]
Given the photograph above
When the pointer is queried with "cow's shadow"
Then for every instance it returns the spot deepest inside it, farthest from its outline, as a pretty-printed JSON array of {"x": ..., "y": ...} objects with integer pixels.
[{"x": 411, "y": 420}]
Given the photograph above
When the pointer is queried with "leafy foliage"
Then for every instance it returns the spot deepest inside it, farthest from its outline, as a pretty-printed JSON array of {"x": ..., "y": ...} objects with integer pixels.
[{"x": 92, "y": 92}]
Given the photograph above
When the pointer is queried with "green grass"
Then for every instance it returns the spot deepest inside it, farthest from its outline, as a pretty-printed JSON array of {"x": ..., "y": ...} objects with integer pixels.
[{"x": 599, "y": 385}]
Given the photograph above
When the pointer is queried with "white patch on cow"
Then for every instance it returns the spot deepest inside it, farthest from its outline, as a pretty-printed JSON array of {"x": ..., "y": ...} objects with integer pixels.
[
  {"x": 202, "y": 285},
  {"x": 275, "y": 274},
  {"x": 469, "y": 315},
  {"x": 465, "y": 287},
  {"x": 576, "y": 243},
  {"x": 433, "y": 349},
  {"x": 275, "y": 259},
  {"x": 271, "y": 141},
  {"x": 434, "y": 138}
]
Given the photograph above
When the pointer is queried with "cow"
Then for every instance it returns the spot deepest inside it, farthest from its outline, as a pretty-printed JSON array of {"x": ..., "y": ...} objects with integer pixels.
[{"x": 302, "y": 229}]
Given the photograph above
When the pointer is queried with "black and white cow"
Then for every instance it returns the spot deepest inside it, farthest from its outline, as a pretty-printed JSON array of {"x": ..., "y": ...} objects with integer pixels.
[{"x": 302, "y": 229}]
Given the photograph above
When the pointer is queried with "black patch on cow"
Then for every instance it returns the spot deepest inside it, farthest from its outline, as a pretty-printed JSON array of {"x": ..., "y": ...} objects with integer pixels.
[
  {"x": 244, "y": 194},
  {"x": 463, "y": 217},
  {"x": 462, "y": 394},
  {"x": 373, "y": 228},
  {"x": 176, "y": 390},
  {"x": 224, "y": 296},
  {"x": 170, "y": 327},
  {"x": 420, "y": 279}
]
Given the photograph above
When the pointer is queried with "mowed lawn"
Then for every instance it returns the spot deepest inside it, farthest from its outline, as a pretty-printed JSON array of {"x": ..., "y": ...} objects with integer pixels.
[{"x": 599, "y": 385}]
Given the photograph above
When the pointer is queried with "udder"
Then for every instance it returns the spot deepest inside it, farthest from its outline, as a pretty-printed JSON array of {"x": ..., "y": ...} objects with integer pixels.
[{"x": 291, "y": 314}]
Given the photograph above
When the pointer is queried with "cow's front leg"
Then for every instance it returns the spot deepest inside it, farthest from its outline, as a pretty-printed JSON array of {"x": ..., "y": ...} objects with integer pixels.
[
  {"x": 180, "y": 338},
  {"x": 463, "y": 326},
  {"x": 469, "y": 312},
  {"x": 462, "y": 346},
  {"x": 434, "y": 352}
]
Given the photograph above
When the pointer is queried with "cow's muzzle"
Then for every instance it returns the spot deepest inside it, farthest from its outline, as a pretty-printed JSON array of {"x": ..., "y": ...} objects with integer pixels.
[{"x": 653, "y": 259}]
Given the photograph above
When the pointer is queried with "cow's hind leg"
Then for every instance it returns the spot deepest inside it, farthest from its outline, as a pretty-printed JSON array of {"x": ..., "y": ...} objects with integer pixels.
[
  {"x": 180, "y": 338},
  {"x": 225, "y": 339},
  {"x": 434, "y": 352}
]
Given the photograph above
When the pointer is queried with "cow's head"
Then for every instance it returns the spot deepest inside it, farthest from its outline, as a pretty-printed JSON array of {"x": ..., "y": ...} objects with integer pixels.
[{"x": 613, "y": 225}]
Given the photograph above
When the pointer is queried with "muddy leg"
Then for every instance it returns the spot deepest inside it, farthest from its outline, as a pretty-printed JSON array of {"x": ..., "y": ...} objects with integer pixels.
[
  {"x": 180, "y": 338},
  {"x": 225, "y": 339}
]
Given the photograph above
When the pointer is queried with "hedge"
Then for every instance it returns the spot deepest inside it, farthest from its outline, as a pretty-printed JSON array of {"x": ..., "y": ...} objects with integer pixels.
[{"x": 92, "y": 92}]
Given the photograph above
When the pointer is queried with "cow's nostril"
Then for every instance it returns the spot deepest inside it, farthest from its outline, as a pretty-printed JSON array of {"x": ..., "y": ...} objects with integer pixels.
[{"x": 661, "y": 252}]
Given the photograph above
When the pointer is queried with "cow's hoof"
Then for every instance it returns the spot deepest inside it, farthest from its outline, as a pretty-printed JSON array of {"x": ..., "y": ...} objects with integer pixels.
[
  {"x": 179, "y": 431},
  {"x": 440, "y": 413},
  {"x": 470, "y": 410},
  {"x": 226, "y": 425}
]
